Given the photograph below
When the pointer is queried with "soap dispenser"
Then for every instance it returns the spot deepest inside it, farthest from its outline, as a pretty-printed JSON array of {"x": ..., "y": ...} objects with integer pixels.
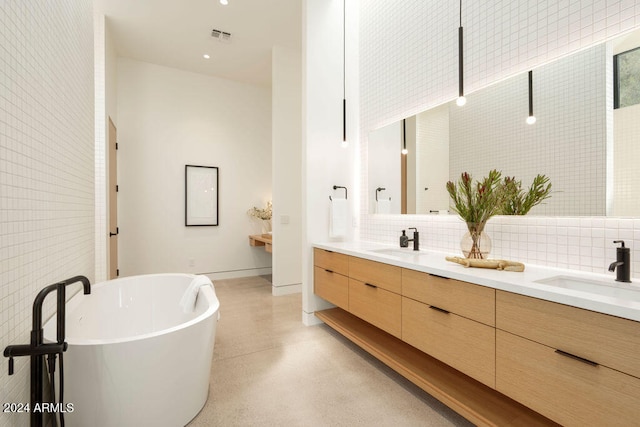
[
  {"x": 404, "y": 240},
  {"x": 622, "y": 266}
]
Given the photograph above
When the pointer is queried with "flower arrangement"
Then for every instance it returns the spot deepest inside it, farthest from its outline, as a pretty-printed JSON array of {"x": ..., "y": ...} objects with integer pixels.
[
  {"x": 264, "y": 214},
  {"x": 517, "y": 201},
  {"x": 477, "y": 202}
]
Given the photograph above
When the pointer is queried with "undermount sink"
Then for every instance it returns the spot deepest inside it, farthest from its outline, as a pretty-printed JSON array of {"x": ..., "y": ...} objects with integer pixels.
[
  {"x": 622, "y": 291},
  {"x": 402, "y": 253}
]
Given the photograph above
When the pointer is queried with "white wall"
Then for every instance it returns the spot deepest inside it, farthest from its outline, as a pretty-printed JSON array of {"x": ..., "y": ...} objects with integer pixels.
[
  {"x": 46, "y": 166},
  {"x": 167, "y": 119},
  {"x": 100, "y": 132},
  {"x": 384, "y": 158},
  {"x": 325, "y": 163},
  {"x": 286, "y": 95},
  {"x": 105, "y": 90}
]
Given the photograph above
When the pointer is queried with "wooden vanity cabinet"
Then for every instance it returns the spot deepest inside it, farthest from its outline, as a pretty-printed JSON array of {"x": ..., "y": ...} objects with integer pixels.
[
  {"x": 374, "y": 294},
  {"x": 575, "y": 366},
  {"x": 474, "y": 302},
  {"x": 437, "y": 332},
  {"x": 331, "y": 280},
  {"x": 451, "y": 321},
  {"x": 376, "y": 305},
  {"x": 382, "y": 275},
  {"x": 608, "y": 340},
  {"x": 367, "y": 289}
]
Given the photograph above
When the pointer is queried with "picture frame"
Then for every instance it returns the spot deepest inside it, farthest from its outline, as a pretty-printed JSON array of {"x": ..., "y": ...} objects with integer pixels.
[{"x": 201, "y": 195}]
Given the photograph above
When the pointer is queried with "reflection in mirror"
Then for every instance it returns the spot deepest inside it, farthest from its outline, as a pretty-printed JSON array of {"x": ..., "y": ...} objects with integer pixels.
[{"x": 572, "y": 141}]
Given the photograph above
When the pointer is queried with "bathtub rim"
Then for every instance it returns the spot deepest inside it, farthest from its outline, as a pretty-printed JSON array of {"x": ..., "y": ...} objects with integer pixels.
[{"x": 208, "y": 291}]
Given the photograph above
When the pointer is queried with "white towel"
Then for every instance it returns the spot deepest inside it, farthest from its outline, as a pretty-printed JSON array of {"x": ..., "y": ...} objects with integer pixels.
[
  {"x": 383, "y": 206},
  {"x": 188, "y": 300},
  {"x": 338, "y": 218}
]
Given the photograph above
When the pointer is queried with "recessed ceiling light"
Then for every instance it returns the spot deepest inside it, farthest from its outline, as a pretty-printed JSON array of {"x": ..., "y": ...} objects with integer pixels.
[
  {"x": 205, "y": 56},
  {"x": 224, "y": 2}
]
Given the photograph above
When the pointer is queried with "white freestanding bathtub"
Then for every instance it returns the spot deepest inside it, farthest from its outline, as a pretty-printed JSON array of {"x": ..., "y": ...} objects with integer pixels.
[{"x": 135, "y": 357}]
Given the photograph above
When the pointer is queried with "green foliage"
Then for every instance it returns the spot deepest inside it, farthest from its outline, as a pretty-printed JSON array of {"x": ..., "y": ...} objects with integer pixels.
[
  {"x": 519, "y": 202},
  {"x": 476, "y": 203}
]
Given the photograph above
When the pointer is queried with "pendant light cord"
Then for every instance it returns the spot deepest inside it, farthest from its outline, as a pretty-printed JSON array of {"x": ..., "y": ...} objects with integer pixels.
[
  {"x": 344, "y": 48},
  {"x": 344, "y": 72},
  {"x": 460, "y": 13}
]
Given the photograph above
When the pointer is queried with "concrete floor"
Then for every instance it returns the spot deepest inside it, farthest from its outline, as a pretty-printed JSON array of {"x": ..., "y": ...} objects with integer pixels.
[{"x": 270, "y": 370}]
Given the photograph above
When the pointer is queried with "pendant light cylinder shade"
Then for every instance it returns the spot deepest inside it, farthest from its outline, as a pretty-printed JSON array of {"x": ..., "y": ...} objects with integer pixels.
[
  {"x": 531, "y": 119},
  {"x": 404, "y": 137},
  {"x": 461, "y": 99},
  {"x": 344, "y": 121}
]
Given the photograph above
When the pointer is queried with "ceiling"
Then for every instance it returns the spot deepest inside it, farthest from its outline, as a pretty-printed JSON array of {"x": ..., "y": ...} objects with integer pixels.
[{"x": 177, "y": 33}]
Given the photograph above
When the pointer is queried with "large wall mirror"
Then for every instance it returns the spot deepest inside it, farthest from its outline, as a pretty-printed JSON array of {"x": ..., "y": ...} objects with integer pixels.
[{"x": 589, "y": 149}]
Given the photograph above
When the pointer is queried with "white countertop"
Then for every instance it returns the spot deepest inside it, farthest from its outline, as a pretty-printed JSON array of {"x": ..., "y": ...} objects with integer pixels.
[{"x": 523, "y": 283}]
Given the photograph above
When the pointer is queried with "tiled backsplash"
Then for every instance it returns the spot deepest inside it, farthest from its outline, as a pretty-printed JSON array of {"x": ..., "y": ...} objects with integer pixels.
[{"x": 578, "y": 243}]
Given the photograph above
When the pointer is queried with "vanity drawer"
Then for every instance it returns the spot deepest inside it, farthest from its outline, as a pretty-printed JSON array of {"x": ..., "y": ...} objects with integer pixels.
[
  {"x": 336, "y": 262},
  {"x": 465, "y": 299},
  {"x": 376, "y": 273},
  {"x": 331, "y": 286},
  {"x": 608, "y": 340},
  {"x": 375, "y": 305},
  {"x": 568, "y": 391},
  {"x": 463, "y": 344}
]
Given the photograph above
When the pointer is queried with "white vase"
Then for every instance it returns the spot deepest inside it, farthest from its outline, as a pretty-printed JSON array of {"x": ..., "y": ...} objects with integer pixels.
[{"x": 266, "y": 226}]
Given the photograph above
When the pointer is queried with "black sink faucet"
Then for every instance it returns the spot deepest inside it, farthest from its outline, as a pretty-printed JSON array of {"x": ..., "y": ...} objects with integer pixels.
[
  {"x": 37, "y": 349},
  {"x": 416, "y": 239},
  {"x": 622, "y": 265}
]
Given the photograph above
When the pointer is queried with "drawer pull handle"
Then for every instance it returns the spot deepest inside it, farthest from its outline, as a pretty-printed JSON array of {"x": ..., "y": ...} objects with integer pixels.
[
  {"x": 371, "y": 286},
  {"x": 328, "y": 251},
  {"x": 328, "y": 271},
  {"x": 439, "y": 277},
  {"x": 578, "y": 358},
  {"x": 441, "y": 310}
]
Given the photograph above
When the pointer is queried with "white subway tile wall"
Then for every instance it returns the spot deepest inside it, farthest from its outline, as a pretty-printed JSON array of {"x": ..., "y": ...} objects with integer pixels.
[
  {"x": 567, "y": 143},
  {"x": 100, "y": 129},
  {"x": 46, "y": 165},
  {"x": 409, "y": 63}
]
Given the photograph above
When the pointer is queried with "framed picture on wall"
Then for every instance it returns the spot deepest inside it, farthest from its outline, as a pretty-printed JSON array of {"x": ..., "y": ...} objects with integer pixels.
[{"x": 201, "y": 195}]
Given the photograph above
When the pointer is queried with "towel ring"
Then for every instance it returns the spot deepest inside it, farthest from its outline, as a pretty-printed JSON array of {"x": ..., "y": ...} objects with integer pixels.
[{"x": 335, "y": 187}]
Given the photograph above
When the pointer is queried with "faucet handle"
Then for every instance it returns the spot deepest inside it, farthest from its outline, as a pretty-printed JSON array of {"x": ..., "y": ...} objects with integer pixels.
[{"x": 619, "y": 241}]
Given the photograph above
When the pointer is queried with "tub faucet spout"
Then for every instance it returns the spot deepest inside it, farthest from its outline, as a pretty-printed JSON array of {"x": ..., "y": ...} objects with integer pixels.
[{"x": 37, "y": 349}]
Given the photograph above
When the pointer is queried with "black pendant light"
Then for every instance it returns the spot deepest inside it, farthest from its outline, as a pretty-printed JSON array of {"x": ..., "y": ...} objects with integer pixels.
[
  {"x": 344, "y": 75},
  {"x": 531, "y": 119},
  {"x": 461, "y": 99},
  {"x": 404, "y": 137}
]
